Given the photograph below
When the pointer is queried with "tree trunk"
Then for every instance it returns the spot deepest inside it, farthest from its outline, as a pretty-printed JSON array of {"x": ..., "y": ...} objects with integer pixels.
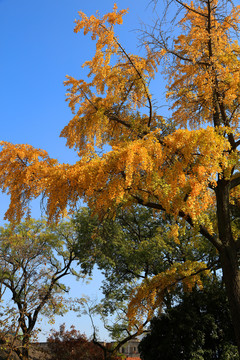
[
  {"x": 231, "y": 277},
  {"x": 228, "y": 255},
  {"x": 25, "y": 347}
]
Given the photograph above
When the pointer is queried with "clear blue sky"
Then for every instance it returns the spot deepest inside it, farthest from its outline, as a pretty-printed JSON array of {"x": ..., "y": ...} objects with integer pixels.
[{"x": 38, "y": 48}]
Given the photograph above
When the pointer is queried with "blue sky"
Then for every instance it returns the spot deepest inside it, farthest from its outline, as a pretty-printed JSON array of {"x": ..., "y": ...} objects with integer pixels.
[{"x": 38, "y": 49}]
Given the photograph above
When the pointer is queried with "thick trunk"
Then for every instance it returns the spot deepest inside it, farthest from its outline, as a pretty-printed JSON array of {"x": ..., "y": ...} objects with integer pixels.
[
  {"x": 231, "y": 277},
  {"x": 228, "y": 255}
]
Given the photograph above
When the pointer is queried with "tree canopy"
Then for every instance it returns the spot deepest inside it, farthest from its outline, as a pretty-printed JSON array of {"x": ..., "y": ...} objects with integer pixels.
[
  {"x": 33, "y": 259},
  {"x": 72, "y": 345},
  {"x": 135, "y": 246},
  {"x": 129, "y": 249}
]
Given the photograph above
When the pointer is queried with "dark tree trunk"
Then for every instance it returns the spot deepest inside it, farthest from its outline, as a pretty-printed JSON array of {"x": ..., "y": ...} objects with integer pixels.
[
  {"x": 25, "y": 347},
  {"x": 229, "y": 255},
  {"x": 231, "y": 277}
]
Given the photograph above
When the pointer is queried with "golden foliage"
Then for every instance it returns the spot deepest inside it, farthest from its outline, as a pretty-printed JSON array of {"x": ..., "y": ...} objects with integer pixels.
[
  {"x": 142, "y": 168},
  {"x": 206, "y": 70},
  {"x": 142, "y": 162},
  {"x": 148, "y": 297}
]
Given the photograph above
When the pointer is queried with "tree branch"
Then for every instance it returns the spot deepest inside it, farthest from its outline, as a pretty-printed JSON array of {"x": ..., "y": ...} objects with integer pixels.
[
  {"x": 235, "y": 180},
  {"x": 203, "y": 231},
  {"x": 190, "y": 9}
]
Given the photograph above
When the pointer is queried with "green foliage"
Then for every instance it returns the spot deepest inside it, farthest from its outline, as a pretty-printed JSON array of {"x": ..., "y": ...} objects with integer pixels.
[
  {"x": 136, "y": 244},
  {"x": 34, "y": 257}
]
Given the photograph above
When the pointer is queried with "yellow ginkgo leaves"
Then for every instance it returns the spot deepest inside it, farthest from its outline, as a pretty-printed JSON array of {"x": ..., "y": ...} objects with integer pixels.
[
  {"x": 148, "y": 297},
  {"x": 142, "y": 168}
]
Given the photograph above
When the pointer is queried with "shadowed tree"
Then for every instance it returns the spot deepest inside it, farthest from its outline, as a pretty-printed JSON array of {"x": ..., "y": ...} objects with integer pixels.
[{"x": 197, "y": 328}]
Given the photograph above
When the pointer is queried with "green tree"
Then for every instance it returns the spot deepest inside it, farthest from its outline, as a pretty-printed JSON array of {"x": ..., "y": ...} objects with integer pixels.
[
  {"x": 34, "y": 257},
  {"x": 197, "y": 328},
  {"x": 132, "y": 247}
]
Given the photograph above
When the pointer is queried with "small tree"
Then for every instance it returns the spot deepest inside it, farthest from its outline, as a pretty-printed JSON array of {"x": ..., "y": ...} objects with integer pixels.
[
  {"x": 33, "y": 260},
  {"x": 118, "y": 329},
  {"x": 72, "y": 345}
]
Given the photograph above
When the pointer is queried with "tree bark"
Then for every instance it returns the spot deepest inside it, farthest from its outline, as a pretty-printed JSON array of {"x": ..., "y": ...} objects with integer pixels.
[
  {"x": 25, "y": 347},
  {"x": 228, "y": 254},
  {"x": 231, "y": 277}
]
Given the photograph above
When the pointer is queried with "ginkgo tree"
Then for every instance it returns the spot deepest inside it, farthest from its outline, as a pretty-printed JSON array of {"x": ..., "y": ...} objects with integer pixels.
[{"x": 190, "y": 172}]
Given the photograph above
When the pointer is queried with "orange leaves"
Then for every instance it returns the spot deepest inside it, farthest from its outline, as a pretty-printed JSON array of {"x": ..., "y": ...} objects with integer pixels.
[
  {"x": 104, "y": 34},
  {"x": 175, "y": 171},
  {"x": 114, "y": 17},
  {"x": 22, "y": 174},
  {"x": 205, "y": 74},
  {"x": 103, "y": 111},
  {"x": 93, "y": 24}
]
